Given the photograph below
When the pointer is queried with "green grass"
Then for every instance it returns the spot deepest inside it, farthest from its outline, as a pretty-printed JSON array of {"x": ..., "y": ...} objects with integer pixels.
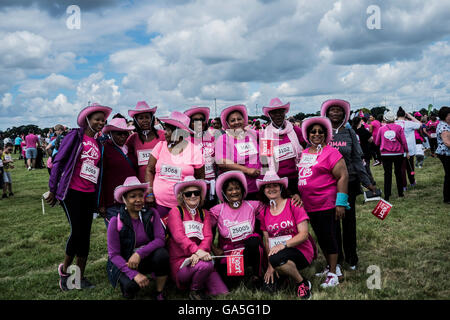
[{"x": 411, "y": 247}]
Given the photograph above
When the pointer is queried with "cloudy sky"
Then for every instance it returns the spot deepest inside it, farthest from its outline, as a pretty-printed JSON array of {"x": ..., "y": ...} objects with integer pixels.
[{"x": 176, "y": 54}]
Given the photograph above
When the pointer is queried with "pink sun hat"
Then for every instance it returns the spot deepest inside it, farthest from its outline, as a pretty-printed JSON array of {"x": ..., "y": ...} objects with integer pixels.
[
  {"x": 275, "y": 104},
  {"x": 225, "y": 112},
  {"x": 324, "y": 121},
  {"x": 117, "y": 124},
  {"x": 179, "y": 120},
  {"x": 345, "y": 105},
  {"x": 94, "y": 107},
  {"x": 130, "y": 183},
  {"x": 233, "y": 174},
  {"x": 271, "y": 177},
  {"x": 141, "y": 107},
  {"x": 195, "y": 109},
  {"x": 190, "y": 181}
]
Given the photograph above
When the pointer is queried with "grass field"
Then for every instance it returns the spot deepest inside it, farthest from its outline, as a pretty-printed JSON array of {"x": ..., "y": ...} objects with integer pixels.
[{"x": 410, "y": 247}]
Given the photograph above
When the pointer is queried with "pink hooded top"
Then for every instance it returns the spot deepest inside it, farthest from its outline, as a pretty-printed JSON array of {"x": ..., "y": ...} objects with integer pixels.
[
  {"x": 391, "y": 140},
  {"x": 182, "y": 244}
]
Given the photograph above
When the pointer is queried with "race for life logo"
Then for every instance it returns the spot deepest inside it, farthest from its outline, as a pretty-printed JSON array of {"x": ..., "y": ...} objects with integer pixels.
[
  {"x": 304, "y": 172},
  {"x": 390, "y": 135},
  {"x": 90, "y": 151}
]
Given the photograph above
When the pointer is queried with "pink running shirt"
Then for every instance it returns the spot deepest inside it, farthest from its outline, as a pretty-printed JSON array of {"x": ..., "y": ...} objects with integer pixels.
[{"x": 86, "y": 168}]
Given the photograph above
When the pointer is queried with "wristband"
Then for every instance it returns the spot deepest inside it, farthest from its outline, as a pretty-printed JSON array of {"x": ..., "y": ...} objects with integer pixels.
[{"x": 342, "y": 200}]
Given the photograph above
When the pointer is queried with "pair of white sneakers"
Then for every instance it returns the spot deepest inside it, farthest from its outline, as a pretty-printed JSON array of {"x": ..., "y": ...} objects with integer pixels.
[{"x": 332, "y": 279}]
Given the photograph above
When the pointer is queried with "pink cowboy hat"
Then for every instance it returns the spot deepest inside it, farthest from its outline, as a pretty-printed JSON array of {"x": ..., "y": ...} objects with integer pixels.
[
  {"x": 190, "y": 181},
  {"x": 117, "y": 124},
  {"x": 345, "y": 105},
  {"x": 130, "y": 183},
  {"x": 324, "y": 121},
  {"x": 275, "y": 104},
  {"x": 141, "y": 107},
  {"x": 194, "y": 110},
  {"x": 225, "y": 112},
  {"x": 272, "y": 177},
  {"x": 179, "y": 120},
  {"x": 95, "y": 107},
  {"x": 233, "y": 174}
]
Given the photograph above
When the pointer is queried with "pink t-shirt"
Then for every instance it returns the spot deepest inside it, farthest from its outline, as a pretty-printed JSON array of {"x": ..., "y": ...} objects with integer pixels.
[
  {"x": 31, "y": 140},
  {"x": 241, "y": 151},
  {"x": 316, "y": 183},
  {"x": 284, "y": 226},
  {"x": 171, "y": 169},
  {"x": 235, "y": 225},
  {"x": 86, "y": 172},
  {"x": 142, "y": 150}
]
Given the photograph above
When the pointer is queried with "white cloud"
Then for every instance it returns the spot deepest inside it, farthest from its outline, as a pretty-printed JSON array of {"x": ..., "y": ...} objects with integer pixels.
[{"x": 6, "y": 100}]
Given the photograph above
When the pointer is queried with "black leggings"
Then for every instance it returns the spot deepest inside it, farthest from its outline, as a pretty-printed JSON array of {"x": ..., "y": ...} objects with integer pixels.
[
  {"x": 446, "y": 163},
  {"x": 157, "y": 262},
  {"x": 387, "y": 166},
  {"x": 324, "y": 226},
  {"x": 293, "y": 254},
  {"x": 79, "y": 208}
]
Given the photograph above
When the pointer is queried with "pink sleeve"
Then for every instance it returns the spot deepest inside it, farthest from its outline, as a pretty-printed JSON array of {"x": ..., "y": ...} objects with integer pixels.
[
  {"x": 218, "y": 149},
  {"x": 300, "y": 214},
  {"x": 262, "y": 219},
  {"x": 198, "y": 158},
  {"x": 333, "y": 157},
  {"x": 214, "y": 214},
  {"x": 157, "y": 150},
  {"x": 177, "y": 232}
]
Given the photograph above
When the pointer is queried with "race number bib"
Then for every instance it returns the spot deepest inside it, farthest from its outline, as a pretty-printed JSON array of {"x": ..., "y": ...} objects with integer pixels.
[
  {"x": 209, "y": 170},
  {"x": 246, "y": 149},
  {"x": 278, "y": 240},
  {"x": 143, "y": 156},
  {"x": 193, "y": 229},
  {"x": 89, "y": 172},
  {"x": 240, "y": 231},
  {"x": 283, "y": 152},
  {"x": 170, "y": 172},
  {"x": 308, "y": 160}
]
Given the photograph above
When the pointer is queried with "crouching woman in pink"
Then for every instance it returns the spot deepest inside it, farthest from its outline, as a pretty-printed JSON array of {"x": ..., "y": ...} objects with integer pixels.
[{"x": 190, "y": 242}]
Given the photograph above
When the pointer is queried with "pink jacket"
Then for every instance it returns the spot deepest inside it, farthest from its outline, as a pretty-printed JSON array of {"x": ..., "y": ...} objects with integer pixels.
[
  {"x": 391, "y": 140},
  {"x": 181, "y": 246}
]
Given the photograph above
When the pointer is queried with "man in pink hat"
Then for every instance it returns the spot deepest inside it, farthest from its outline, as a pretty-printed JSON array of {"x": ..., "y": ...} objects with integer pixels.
[
  {"x": 285, "y": 141},
  {"x": 118, "y": 164},
  {"x": 142, "y": 142},
  {"x": 199, "y": 117}
]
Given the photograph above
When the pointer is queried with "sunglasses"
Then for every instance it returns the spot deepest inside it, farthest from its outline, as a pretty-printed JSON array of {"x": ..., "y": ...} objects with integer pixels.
[
  {"x": 189, "y": 194},
  {"x": 316, "y": 132}
]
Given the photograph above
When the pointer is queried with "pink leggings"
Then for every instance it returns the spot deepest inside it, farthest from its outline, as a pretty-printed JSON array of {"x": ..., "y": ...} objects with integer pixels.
[{"x": 201, "y": 276}]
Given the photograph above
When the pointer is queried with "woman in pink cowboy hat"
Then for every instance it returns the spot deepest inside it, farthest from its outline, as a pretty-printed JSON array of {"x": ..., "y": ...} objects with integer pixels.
[
  {"x": 142, "y": 142},
  {"x": 322, "y": 183},
  {"x": 287, "y": 242},
  {"x": 190, "y": 242},
  {"x": 118, "y": 164},
  {"x": 75, "y": 181},
  {"x": 136, "y": 242},
  {"x": 237, "y": 221},
  {"x": 346, "y": 141},
  {"x": 171, "y": 161},
  {"x": 287, "y": 142},
  {"x": 238, "y": 148},
  {"x": 199, "y": 117}
]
